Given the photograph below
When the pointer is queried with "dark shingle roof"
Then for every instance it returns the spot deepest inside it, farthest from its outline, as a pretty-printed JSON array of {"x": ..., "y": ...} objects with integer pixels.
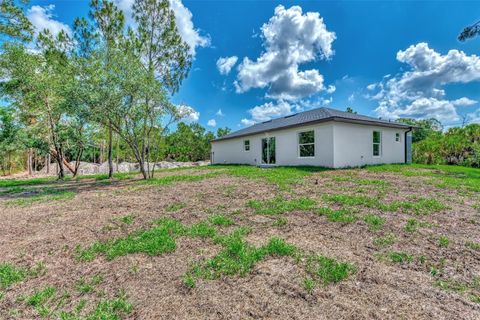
[{"x": 310, "y": 117}]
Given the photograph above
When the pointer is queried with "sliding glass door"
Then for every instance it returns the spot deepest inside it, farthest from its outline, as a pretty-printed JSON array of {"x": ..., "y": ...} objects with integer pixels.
[{"x": 268, "y": 150}]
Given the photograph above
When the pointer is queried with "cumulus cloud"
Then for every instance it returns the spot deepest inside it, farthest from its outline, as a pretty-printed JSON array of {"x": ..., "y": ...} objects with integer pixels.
[
  {"x": 190, "y": 34},
  {"x": 220, "y": 113},
  {"x": 44, "y": 18},
  {"x": 183, "y": 18},
  {"x": 247, "y": 122},
  {"x": 419, "y": 92},
  {"x": 212, "y": 123},
  {"x": 291, "y": 38},
  {"x": 226, "y": 64},
  {"x": 270, "y": 110},
  {"x": 187, "y": 114}
]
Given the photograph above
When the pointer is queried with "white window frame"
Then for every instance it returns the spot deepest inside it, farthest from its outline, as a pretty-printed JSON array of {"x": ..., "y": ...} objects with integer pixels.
[
  {"x": 399, "y": 137},
  {"x": 379, "y": 144},
  {"x": 303, "y": 144},
  {"x": 245, "y": 145}
]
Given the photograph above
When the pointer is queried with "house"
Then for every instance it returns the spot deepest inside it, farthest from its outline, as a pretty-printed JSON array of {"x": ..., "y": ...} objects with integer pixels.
[{"x": 319, "y": 137}]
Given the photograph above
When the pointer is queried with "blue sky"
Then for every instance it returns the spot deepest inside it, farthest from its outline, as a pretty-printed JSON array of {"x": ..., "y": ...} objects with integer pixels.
[{"x": 385, "y": 59}]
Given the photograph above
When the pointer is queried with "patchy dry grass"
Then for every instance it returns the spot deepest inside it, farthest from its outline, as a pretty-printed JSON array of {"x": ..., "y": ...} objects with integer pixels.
[{"x": 243, "y": 242}]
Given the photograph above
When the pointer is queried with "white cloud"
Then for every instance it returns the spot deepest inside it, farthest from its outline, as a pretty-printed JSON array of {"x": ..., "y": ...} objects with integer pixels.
[
  {"x": 187, "y": 114},
  {"x": 463, "y": 102},
  {"x": 419, "y": 92},
  {"x": 247, "y": 122},
  {"x": 220, "y": 113},
  {"x": 372, "y": 86},
  {"x": 183, "y": 18},
  {"x": 212, "y": 123},
  {"x": 291, "y": 38},
  {"x": 187, "y": 30},
  {"x": 422, "y": 108},
  {"x": 351, "y": 98},
  {"x": 331, "y": 89},
  {"x": 43, "y": 18},
  {"x": 226, "y": 64}
]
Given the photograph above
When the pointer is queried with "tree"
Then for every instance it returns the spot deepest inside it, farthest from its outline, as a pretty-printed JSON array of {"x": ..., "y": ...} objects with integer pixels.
[
  {"x": 470, "y": 32},
  {"x": 422, "y": 128},
  {"x": 110, "y": 23},
  {"x": 350, "y": 110},
  {"x": 36, "y": 82},
  {"x": 13, "y": 22},
  {"x": 223, "y": 132},
  {"x": 189, "y": 143},
  {"x": 11, "y": 138}
]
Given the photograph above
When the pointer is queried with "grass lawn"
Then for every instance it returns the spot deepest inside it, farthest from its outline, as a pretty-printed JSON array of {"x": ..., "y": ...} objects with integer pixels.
[{"x": 389, "y": 241}]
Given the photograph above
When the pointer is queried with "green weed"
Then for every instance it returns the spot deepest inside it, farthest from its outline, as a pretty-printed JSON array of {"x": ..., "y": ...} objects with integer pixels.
[
  {"x": 279, "y": 205},
  {"x": 443, "y": 241},
  {"x": 220, "y": 220},
  {"x": 473, "y": 245},
  {"x": 10, "y": 274},
  {"x": 280, "y": 222},
  {"x": 342, "y": 215},
  {"x": 327, "y": 270},
  {"x": 175, "y": 206},
  {"x": 384, "y": 241},
  {"x": 86, "y": 286},
  {"x": 374, "y": 222}
]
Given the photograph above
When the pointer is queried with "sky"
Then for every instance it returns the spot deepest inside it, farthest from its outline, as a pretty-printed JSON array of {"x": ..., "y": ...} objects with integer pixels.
[{"x": 258, "y": 60}]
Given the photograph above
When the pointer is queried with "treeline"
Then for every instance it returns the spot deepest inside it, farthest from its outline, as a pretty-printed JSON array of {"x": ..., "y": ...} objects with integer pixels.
[
  {"x": 188, "y": 142},
  {"x": 434, "y": 145},
  {"x": 99, "y": 93}
]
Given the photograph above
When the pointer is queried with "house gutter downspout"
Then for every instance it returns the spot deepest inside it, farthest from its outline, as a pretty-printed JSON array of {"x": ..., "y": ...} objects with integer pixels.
[{"x": 405, "y": 143}]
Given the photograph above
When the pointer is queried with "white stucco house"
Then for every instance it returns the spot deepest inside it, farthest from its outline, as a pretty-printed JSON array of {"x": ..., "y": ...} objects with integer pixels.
[{"x": 319, "y": 137}]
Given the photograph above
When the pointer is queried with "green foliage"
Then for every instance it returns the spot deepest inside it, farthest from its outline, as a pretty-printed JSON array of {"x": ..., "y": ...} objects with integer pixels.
[
  {"x": 327, "y": 270},
  {"x": 85, "y": 286},
  {"x": 283, "y": 177},
  {"x": 279, "y": 205},
  {"x": 374, "y": 222},
  {"x": 220, "y": 220},
  {"x": 399, "y": 257},
  {"x": 39, "y": 300},
  {"x": 473, "y": 245},
  {"x": 280, "y": 222},
  {"x": 175, "y": 206},
  {"x": 342, "y": 215},
  {"x": 443, "y": 176},
  {"x": 10, "y": 274},
  {"x": 443, "y": 241},
  {"x": 189, "y": 143},
  {"x": 128, "y": 219},
  {"x": 420, "y": 206},
  {"x": 384, "y": 241},
  {"x": 237, "y": 258}
]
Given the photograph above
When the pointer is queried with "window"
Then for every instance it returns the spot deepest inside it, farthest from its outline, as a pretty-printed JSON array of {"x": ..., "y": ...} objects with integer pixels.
[
  {"x": 306, "y": 144},
  {"x": 397, "y": 137},
  {"x": 246, "y": 145},
  {"x": 377, "y": 143}
]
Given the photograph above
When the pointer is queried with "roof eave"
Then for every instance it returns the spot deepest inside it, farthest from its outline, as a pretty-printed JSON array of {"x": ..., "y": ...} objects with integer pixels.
[{"x": 338, "y": 119}]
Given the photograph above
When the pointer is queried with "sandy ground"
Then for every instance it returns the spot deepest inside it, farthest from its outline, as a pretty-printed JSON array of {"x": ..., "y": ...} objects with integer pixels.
[{"x": 49, "y": 232}]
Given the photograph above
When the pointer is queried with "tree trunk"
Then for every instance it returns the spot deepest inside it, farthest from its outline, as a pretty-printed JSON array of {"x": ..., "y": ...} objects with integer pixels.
[
  {"x": 29, "y": 162},
  {"x": 110, "y": 149},
  {"x": 47, "y": 160}
]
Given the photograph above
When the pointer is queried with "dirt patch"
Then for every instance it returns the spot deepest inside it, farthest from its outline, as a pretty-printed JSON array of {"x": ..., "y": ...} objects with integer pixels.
[{"x": 49, "y": 233}]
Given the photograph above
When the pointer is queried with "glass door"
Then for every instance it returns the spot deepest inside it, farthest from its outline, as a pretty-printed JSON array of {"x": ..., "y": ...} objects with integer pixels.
[{"x": 268, "y": 150}]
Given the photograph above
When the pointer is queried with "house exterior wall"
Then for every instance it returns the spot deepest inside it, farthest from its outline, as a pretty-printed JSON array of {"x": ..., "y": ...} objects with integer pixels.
[
  {"x": 231, "y": 151},
  {"x": 337, "y": 145},
  {"x": 353, "y": 145}
]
